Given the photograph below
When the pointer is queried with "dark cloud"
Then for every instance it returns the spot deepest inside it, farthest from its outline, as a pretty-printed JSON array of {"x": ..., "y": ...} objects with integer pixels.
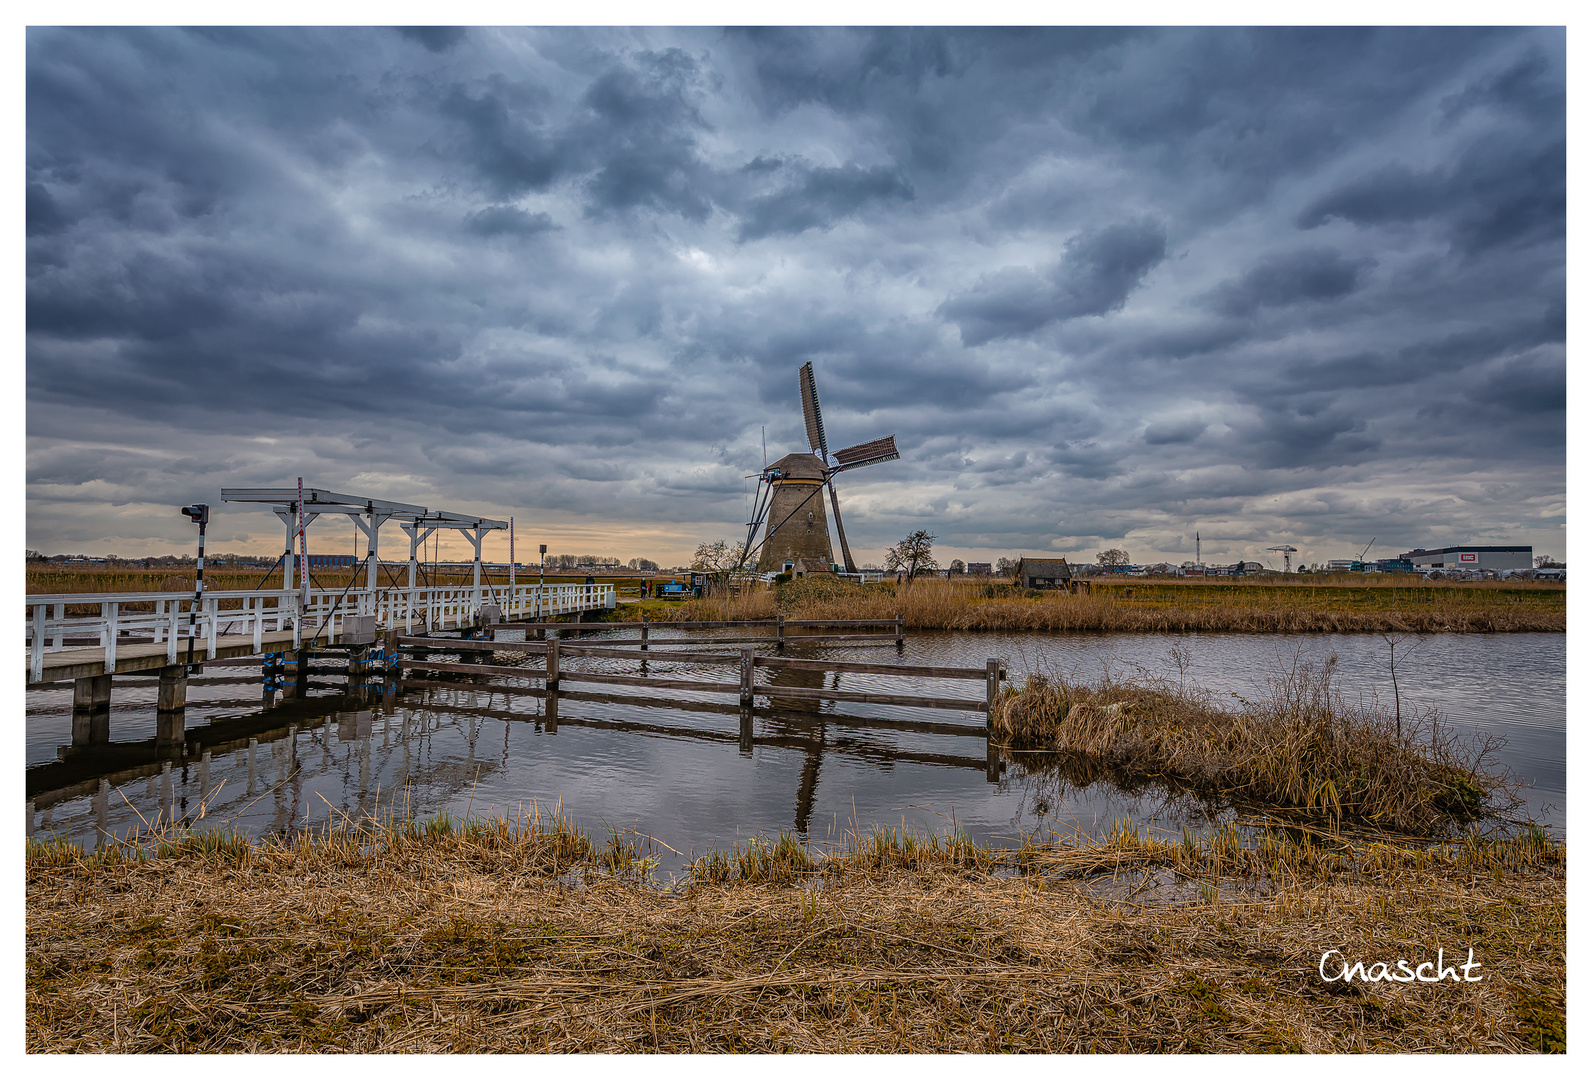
[
  {"x": 1106, "y": 286},
  {"x": 1097, "y": 271},
  {"x": 1173, "y": 432},
  {"x": 44, "y": 215},
  {"x": 1309, "y": 274},
  {"x": 507, "y": 221},
  {"x": 437, "y": 39},
  {"x": 820, "y": 198}
]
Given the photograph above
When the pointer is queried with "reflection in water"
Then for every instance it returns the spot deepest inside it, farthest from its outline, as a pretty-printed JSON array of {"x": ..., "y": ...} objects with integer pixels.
[{"x": 693, "y": 769}]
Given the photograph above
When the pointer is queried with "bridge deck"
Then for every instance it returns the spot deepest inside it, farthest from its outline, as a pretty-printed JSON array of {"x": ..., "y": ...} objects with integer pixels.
[{"x": 83, "y": 662}]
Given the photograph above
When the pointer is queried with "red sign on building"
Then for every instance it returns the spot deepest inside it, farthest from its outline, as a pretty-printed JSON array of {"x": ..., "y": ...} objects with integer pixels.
[{"x": 1467, "y": 556}]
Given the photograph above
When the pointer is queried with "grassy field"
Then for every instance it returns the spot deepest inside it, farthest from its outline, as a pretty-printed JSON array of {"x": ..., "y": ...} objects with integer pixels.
[
  {"x": 1283, "y": 607},
  {"x": 528, "y": 937}
]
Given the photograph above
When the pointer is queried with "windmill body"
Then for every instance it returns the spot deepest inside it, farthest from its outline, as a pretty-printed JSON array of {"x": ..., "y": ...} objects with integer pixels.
[
  {"x": 798, "y": 522},
  {"x": 797, "y": 526}
]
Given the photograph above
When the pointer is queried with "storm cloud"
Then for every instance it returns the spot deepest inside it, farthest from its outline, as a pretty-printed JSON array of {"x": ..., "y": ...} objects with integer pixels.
[{"x": 1107, "y": 287}]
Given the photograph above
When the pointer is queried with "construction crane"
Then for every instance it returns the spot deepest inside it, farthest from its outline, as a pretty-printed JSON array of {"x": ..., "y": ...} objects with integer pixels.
[
  {"x": 1361, "y": 557},
  {"x": 1287, "y": 550}
]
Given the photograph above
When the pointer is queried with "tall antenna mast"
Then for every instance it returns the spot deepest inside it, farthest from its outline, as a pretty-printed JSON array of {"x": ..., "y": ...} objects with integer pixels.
[{"x": 1197, "y": 550}]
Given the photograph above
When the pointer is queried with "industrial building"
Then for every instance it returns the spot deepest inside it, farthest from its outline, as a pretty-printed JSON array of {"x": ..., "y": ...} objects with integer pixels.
[{"x": 1470, "y": 557}]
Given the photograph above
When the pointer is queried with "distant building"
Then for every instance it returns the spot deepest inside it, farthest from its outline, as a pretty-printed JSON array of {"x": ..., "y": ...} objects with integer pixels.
[
  {"x": 1391, "y": 566},
  {"x": 1044, "y": 573},
  {"x": 980, "y": 568},
  {"x": 321, "y": 562},
  {"x": 1471, "y": 557}
]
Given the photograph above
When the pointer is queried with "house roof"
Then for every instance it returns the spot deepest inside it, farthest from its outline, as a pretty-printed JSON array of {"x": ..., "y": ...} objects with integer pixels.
[{"x": 1044, "y": 568}]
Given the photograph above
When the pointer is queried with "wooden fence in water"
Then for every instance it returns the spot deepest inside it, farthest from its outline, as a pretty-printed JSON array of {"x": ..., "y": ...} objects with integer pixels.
[{"x": 746, "y": 662}]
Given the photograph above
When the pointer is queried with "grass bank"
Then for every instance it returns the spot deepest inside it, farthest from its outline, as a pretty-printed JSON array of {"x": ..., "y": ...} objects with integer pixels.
[
  {"x": 523, "y": 937},
  {"x": 939, "y": 604}
]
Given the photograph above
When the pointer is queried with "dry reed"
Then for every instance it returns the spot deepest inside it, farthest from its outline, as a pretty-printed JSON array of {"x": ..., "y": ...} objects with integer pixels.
[
  {"x": 938, "y": 604},
  {"x": 1301, "y": 750},
  {"x": 478, "y": 938}
]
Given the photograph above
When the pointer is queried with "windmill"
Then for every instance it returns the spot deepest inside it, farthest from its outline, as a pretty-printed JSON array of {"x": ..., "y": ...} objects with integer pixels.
[
  {"x": 1287, "y": 550},
  {"x": 792, "y": 500}
]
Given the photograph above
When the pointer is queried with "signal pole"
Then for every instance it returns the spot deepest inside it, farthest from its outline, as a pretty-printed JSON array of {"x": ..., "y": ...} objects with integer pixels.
[{"x": 199, "y": 514}]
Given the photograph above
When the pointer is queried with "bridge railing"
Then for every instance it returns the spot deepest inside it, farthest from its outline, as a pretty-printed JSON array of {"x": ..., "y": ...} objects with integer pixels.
[
  {"x": 105, "y": 619},
  {"x": 447, "y": 607},
  {"x": 163, "y": 617}
]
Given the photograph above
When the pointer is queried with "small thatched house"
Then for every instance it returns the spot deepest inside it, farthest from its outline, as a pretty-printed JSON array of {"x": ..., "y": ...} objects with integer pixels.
[{"x": 1048, "y": 574}]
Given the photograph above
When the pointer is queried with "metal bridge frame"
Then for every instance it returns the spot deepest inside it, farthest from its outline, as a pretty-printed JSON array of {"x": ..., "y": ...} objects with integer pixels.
[{"x": 369, "y": 515}]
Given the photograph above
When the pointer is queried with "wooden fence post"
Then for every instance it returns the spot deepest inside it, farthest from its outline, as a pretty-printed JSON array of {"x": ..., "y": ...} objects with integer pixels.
[
  {"x": 780, "y": 629},
  {"x": 900, "y": 638},
  {"x": 992, "y": 688},
  {"x": 552, "y": 663},
  {"x": 746, "y": 676},
  {"x": 643, "y": 630}
]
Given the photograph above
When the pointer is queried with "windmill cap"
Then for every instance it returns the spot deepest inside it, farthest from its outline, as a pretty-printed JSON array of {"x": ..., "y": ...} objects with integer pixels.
[{"x": 800, "y": 467}]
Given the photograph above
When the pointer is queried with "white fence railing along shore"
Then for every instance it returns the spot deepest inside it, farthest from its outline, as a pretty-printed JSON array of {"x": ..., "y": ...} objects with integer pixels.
[{"x": 106, "y": 620}]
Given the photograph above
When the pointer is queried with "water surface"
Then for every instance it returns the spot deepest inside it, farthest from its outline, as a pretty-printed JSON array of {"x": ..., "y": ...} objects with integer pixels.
[{"x": 675, "y": 768}]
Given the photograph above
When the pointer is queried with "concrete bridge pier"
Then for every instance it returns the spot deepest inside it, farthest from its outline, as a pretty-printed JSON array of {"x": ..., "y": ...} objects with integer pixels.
[
  {"x": 92, "y": 693},
  {"x": 173, "y": 688},
  {"x": 171, "y": 707},
  {"x": 295, "y": 674},
  {"x": 169, "y": 730},
  {"x": 90, "y": 728}
]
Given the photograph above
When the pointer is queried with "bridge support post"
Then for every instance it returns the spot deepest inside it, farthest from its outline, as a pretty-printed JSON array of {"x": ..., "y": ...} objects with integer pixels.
[
  {"x": 173, "y": 688},
  {"x": 746, "y": 678},
  {"x": 169, "y": 729},
  {"x": 295, "y": 674},
  {"x": 900, "y": 636},
  {"x": 552, "y": 669},
  {"x": 643, "y": 632},
  {"x": 779, "y": 628},
  {"x": 92, "y": 692},
  {"x": 90, "y": 728}
]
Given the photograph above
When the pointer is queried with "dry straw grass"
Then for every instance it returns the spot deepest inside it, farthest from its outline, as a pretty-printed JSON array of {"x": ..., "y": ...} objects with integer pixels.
[
  {"x": 939, "y": 604},
  {"x": 519, "y": 937},
  {"x": 1301, "y": 751}
]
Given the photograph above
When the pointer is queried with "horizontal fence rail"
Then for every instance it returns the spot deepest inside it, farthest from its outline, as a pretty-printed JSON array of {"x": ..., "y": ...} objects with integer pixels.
[{"x": 745, "y": 659}]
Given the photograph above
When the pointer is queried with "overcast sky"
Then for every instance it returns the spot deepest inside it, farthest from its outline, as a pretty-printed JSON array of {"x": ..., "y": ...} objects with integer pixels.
[{"x": 1106, "y": 288}]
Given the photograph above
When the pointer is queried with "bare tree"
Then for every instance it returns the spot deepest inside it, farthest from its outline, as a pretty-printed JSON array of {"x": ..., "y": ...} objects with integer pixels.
[
  {"x": 714, "y": 557},
  {"x": 914, "y": 554},
  {"x": 1112, "y": 557},
  {"x": 958, "y": 566},
  {"x": 1007, "y": 567}
]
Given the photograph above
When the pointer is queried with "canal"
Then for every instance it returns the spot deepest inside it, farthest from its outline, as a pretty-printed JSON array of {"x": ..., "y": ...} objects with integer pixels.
[{"x": 672, "y": 767}]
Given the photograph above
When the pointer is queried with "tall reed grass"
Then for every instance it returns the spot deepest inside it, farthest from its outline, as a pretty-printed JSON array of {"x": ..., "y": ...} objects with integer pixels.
[
  {"x": 939, "y": 604},
  {"x": 1301, "y": 750}
]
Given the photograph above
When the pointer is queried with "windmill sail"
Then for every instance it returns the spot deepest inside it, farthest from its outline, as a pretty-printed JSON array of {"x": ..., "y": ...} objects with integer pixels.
[
  {"x": 868, "y": 453},
  {"x": 810, "y": 413}
]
